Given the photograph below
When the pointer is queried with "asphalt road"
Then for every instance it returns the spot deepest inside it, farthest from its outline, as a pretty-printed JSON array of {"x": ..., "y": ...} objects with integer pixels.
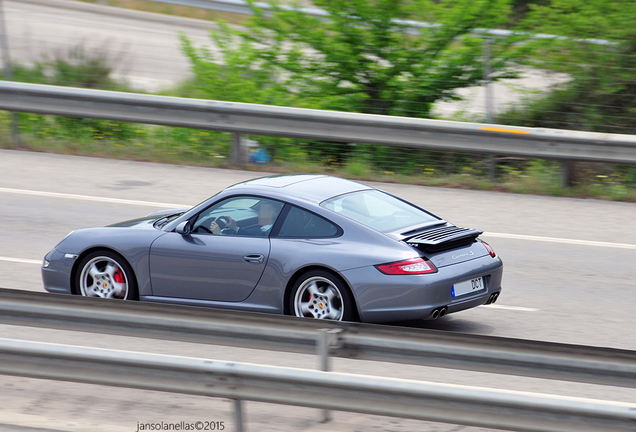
[{"x": 569, "y": 277}]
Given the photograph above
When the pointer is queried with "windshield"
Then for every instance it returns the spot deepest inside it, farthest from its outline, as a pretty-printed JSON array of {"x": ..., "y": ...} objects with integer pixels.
[{"x": 378, "y": 210}]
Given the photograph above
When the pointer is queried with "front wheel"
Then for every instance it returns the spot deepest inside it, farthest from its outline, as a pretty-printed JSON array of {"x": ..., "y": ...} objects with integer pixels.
[
  {"x": 107, "y": 275},
  {"x": 322, "y": 295}
]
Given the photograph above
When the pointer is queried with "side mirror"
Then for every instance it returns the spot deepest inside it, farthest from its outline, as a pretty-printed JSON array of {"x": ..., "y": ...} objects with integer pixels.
[{"x": 184, "y": 228}]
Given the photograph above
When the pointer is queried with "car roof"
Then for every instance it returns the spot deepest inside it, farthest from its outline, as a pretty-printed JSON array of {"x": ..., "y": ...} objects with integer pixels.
[{"x": 312, "y": 187}]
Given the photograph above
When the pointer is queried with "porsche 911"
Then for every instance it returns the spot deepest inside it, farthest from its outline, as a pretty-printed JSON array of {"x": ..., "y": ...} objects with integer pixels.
[{"x": 312, "y": 246}]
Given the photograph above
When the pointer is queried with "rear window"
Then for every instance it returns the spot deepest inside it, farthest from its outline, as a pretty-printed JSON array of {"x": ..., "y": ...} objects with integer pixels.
[{"x": 378, "y": 210}]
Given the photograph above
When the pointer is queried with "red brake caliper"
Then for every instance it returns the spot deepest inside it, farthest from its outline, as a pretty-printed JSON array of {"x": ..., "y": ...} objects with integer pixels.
[{"x": 119, "y": 278}]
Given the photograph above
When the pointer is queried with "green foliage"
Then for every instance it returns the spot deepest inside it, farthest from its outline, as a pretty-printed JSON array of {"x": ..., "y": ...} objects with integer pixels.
[
  {"x": 598, "y": 51},
  {"x": 521, "y": 7},
  {"x": 77, "y": 67},
  {"x": 365, "y": 56},
  {"x": 368, "y": 56},
  {"x": 82, "y": 68},
  {"x": 234, "y": 74}
]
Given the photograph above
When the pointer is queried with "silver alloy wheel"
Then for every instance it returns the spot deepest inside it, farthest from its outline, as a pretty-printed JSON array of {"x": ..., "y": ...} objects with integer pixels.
[
  {"x": 320, "y": 298},
  {"x": 103, "y": 277}
]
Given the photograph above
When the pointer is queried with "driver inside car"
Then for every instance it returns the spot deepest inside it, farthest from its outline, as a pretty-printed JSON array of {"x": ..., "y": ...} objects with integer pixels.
[
  {"x": 224, "y": 225},
  {"x": 267, "y": 213}
]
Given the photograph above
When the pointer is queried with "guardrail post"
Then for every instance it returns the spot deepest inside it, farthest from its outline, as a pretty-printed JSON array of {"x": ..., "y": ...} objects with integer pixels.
[
  {"x": 237, "y": 149},
  {"x": 326, "y": 339},
  {"x": 238, "y": 415},
  {"x": 566, "y": 173}
]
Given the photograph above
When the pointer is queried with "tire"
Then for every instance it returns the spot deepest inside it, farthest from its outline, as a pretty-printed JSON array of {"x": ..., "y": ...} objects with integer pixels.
[
  {"x": 107, "y": 275},
  {"x": 321, "y": 295}
]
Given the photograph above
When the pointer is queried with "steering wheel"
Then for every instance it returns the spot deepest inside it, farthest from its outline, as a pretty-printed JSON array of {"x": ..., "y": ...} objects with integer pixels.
[{"x": 222, "y": 222}]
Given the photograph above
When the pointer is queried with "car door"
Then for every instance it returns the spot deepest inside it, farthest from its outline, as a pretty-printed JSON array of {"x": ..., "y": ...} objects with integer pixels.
[{"x": 213, "y": 266}]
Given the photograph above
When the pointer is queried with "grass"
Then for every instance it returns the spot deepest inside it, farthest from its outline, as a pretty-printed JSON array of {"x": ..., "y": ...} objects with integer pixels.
[{"x": 211, "y": 149}]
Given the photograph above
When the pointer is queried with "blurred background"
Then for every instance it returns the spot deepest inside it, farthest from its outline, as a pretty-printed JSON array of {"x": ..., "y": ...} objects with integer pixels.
[{"x": 564, "y": 64}]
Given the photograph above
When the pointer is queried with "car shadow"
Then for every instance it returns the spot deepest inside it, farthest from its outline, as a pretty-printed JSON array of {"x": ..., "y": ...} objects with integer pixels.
[{"x": 450, "y": 324}]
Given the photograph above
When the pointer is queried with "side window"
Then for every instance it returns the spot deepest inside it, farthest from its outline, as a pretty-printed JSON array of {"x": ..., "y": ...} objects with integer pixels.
[
  {"x": 303, "y": 224},
  {"x": 239, "y": 215}
]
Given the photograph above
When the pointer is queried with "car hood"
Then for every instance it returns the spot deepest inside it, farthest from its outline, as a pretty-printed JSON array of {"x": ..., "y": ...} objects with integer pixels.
[
  {"x": 150, "y": 220},
  {"x": 137, "y": 223}
]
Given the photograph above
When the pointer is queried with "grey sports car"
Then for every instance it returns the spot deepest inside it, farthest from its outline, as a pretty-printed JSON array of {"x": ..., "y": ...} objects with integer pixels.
[{"x": 306, "y": 245}]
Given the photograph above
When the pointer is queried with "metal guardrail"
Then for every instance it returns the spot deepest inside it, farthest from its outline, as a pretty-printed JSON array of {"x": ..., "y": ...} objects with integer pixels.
[
  {"x": 243, "y": 118},
  {"x": 473, "y": 406},
  {"x": 347, "y": 340}
]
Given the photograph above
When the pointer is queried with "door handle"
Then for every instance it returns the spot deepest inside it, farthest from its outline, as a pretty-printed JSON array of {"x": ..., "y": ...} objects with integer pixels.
[{"x": 254, "y": 258}]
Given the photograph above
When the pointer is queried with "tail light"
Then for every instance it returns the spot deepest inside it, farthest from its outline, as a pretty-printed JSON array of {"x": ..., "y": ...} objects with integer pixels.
[
  {"x": 489, "y": 249},
  {"x": 408, "y": 267}
]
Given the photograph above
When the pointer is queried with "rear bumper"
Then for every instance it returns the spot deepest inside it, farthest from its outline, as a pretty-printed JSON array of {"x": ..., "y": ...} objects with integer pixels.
[{"x": 384, "y": 298}]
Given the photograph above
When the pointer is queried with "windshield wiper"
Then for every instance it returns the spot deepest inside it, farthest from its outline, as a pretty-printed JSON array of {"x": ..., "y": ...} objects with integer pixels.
[{"x": 165, "y": 220}]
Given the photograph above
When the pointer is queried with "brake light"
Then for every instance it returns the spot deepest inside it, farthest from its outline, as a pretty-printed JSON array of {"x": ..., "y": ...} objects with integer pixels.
[
  {"x": 408, "y": 267},
  {"x": 489, "y": 249}
]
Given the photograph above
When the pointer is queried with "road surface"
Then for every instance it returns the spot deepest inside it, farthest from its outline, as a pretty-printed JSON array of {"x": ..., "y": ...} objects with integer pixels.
[{"x": 569, "y": 277}]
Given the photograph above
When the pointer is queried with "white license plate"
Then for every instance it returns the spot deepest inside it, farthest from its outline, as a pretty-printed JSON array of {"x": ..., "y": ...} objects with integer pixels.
[{"x": 466, "y": 287}]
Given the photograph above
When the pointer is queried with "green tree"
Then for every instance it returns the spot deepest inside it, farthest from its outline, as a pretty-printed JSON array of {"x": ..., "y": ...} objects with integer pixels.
[
  {"x": 597, "y": 49},
  {"x": 367, "y": 56},
  {"x": 231, "y": 71}
]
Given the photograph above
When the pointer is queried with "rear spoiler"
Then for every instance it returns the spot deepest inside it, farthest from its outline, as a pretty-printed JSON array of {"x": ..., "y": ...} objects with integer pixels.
[{"x": 444, "y": 238}]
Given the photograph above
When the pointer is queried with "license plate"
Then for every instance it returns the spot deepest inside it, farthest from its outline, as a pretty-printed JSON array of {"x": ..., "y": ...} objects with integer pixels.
[{"x": 467, "y": 287}]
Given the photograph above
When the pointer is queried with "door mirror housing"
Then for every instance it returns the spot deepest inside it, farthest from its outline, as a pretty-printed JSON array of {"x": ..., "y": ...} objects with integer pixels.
[{"x": 184, "y": 228}]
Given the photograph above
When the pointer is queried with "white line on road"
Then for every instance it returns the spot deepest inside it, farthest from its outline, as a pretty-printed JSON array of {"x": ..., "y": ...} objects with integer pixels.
[
  {"x": 561, "y": 240},
  {"x": 513, "y": 308},
  {"x": 169, "y": 205},
  {"x": 20, "y": 260},
  {"x": 93, "y": 198}
]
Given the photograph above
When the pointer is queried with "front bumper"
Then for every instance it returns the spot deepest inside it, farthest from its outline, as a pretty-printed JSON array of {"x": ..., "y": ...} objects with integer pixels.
[{"x": 57, "y": 275}]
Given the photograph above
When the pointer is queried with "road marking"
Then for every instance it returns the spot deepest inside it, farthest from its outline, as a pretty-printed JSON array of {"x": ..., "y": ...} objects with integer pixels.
[
  {"x": 20, "y": 260},
  {"x": 561, "y": 240},
  {"x": 93, "y": 198},
  {"x": 512, "y": 308},
  {"x": 171, "y": 205}
]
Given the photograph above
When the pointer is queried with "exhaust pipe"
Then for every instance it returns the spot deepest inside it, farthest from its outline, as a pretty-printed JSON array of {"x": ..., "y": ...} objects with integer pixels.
[
  {"x": 493, "y": 298},
  {"x": 439, "y": 312}
]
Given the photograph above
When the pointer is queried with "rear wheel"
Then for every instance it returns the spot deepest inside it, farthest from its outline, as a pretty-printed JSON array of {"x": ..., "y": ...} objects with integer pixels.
[
  {"x": 322, "y": 295},
  {"x": 107, "y": 275}
]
